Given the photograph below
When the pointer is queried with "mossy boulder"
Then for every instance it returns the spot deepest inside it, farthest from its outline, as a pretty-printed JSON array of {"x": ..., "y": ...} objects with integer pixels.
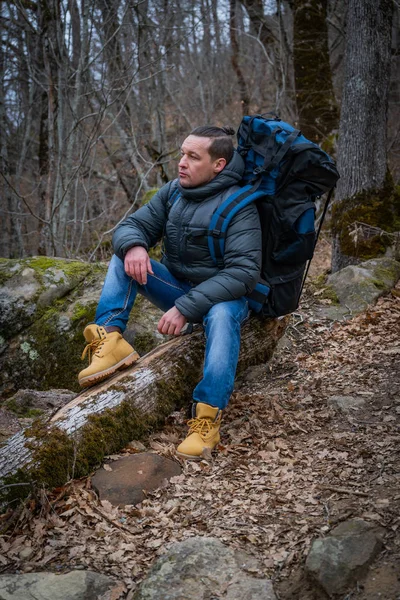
[
  {"x": 45, "y": 304},
  {"x": 357, "y": 286}
]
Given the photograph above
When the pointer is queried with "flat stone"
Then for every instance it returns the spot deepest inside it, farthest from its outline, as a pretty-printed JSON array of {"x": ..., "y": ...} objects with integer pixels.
[
  {"x": 339, "y": 560},
  {"x": 203, "y": 568},
  {"x": 76, "y": 585},
  {"x": 346, "y": 404},
  {"x": 330, "y": 313},
  {"x": 128, "y": 479}
]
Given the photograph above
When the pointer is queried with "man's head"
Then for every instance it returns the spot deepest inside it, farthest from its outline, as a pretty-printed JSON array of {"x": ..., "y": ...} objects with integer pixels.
[{"x": 205, "y": 152}]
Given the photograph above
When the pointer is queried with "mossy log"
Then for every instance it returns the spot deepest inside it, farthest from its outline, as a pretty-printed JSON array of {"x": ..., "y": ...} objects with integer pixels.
[{"x": 104, "y": 418}]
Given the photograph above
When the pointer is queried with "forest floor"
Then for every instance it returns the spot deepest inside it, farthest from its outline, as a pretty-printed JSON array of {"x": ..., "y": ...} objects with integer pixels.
[{"x": 289, "y": 469}]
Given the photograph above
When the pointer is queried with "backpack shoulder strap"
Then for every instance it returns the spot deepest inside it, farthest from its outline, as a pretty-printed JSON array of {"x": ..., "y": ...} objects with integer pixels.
[
  {"x": 172, "y": 199},
  {"x": 223, "y": 215}
]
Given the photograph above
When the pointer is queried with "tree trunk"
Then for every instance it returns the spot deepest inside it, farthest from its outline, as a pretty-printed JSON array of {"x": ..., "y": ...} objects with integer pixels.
[
  {"x": 365, "y": 191},
  {"x": 244, "y": 97},
  {"x": 106, "y": 417},
  {"x": 316, "y": 103}
]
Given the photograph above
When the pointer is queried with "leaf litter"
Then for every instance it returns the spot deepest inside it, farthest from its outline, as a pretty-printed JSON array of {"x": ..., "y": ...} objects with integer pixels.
[{"x": 290, "y": 467}]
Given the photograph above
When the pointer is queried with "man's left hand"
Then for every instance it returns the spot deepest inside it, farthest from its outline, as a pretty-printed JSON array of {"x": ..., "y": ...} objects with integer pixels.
[{"x": 172, "y": 322}]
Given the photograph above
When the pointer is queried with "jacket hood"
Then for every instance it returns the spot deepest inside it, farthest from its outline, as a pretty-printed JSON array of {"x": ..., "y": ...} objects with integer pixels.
[{"x": 229, "y": 176}]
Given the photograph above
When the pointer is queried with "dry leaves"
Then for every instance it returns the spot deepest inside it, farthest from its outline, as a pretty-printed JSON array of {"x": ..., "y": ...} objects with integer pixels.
[{"x": 288, "y": 468}]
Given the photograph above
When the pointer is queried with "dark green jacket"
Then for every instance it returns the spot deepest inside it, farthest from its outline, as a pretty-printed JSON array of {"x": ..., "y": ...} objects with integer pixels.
[{"x": 186, "y": 252}]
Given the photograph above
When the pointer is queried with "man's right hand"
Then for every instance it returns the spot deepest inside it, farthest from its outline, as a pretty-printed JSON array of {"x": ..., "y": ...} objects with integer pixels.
[{"x": 137, "y": 264}]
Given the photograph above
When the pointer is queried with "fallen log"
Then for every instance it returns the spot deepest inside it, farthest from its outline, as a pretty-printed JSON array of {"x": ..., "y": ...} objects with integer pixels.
[{"x": 104, "y": 418}]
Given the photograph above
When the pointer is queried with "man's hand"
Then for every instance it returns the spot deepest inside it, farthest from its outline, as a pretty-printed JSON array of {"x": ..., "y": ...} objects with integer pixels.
[
  {"x": 137, "y": 264},
  {"x": 172, "y": 322}
]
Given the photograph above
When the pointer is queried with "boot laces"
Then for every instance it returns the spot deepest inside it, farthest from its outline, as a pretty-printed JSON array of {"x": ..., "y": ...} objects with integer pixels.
[
  {"x": 201, "y": 426},
  {"x": 91, "y": 348}
]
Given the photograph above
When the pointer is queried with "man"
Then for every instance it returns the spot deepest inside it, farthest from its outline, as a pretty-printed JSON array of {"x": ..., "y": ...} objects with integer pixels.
[{"x": 187, "y": 284}]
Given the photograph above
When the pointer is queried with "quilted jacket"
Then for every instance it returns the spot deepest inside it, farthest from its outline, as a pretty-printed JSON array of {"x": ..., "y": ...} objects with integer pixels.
[{"x": 183, "y": 228}]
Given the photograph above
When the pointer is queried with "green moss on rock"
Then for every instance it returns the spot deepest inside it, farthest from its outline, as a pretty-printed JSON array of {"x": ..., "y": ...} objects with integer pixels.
[{"x": 321, "y": 289}]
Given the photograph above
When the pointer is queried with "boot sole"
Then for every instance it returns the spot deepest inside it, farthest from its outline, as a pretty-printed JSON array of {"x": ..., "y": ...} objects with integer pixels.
[
  {"x": 193, "y": 457},
  {"x": 96, "y": 377},
  {"x": 189, "y": 456}
]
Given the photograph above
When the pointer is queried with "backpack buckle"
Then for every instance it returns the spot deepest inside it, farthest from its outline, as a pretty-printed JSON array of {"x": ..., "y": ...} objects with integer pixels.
[
  {"x": 216, "y": 233},
  {"x": 258, "y": 170}
]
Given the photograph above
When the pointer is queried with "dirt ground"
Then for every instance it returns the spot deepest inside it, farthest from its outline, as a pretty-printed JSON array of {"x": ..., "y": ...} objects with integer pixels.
[{"x": 290, "y": 467}]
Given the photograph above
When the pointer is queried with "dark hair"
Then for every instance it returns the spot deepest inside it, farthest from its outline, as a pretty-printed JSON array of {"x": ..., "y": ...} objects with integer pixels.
[{"x": 221, "y": 145}]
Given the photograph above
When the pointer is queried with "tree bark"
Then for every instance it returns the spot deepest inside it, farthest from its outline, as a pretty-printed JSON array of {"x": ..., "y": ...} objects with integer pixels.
[
  {"x": 365, "y": 192},
  {"x": 106, "y": 417},
  {"x": 315, "y": 99},
  {"x": 244, "y": 96}
]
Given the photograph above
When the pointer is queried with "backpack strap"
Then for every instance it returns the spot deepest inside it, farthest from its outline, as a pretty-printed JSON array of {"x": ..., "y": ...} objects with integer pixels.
[
  {"x": 316, "y": 240},
  {"x": 223, "y": 215},
  {"x": 172, "y": 199},
  {"x": 271, "y": 163}
]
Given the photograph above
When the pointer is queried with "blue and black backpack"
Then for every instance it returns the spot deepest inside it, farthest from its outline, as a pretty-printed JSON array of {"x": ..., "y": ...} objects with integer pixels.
[{"x": 284, "y": 174}]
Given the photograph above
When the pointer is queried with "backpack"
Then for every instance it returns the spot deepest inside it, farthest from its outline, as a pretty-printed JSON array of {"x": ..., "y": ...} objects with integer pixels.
[{"x": 284, "y": 174}]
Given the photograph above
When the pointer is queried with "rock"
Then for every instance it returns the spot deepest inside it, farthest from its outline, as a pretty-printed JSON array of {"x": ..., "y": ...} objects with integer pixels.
[
  {"x": 200, "y": 568},
  {"x": 126, "y": 480},
  {"x": 75, "y": 585},
  {"x": 357, "y": 286},
  {"x": 285, "y": 343},
  {"x": 254, "y": 373},
  {"x": 136, "y": 446},
  {"x": 346, "y": 404},
  {"x": 26, "y": 403},
  {"x": 9, "y": 424},
  {"x": 339, "y": 560},
  {"x": 45, "y": 303},
  {"x": 330, "y": 313}
]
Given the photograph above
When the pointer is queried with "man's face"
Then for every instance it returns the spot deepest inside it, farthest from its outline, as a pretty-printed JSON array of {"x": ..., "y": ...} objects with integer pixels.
[{"x": 196, "y": 167}]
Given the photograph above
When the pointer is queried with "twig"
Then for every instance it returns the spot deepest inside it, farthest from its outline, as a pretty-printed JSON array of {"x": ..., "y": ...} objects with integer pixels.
[
  {"x": 11, "y": 485},
  {"x": 340, "y": 490}
]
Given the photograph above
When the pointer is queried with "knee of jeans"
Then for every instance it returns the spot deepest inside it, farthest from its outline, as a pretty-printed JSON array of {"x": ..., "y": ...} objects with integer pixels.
[{"x": 227, "y": 311}]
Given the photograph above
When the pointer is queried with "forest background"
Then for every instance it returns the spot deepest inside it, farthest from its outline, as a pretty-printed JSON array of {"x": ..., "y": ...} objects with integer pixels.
[{"x": 96, "y": 97}]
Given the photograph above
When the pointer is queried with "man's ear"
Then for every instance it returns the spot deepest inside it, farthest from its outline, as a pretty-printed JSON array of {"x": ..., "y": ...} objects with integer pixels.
[{"x": 219, "y": 164}]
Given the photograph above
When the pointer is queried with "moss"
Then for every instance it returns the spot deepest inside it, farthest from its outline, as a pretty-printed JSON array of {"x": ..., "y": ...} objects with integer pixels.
[
  {"x": 387, "y": 275},
  {"x": 329, "y": 144},
  {"x": 51, "y": 347},
  {"x": 156, "y": 252},
  {"x": 23, "y": 410},
  {"x": 378, "y": 208},
  {"x": 378, "y": 283},
  {"x": 59, "y": 457},
  {"x": 6, "y": 269},
  {"x": 147, "y": 196},
  {"x": 84, "y": 312},
  {"x": 322, "y": 290},
  {"x": 144, "y": 342},
  {"x": 21, "y": 484}
]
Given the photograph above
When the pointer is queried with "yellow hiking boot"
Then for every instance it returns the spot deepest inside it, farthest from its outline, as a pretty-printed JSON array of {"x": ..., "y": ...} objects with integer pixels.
[
  {"x": 108, "y": 353},
  {"x": 203, "y": 432}
]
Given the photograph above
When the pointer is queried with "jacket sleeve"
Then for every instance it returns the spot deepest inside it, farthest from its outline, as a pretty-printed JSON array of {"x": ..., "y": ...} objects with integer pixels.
[
  {"x": 145, "y": 227},
  {"x": 241, "y": 271}
]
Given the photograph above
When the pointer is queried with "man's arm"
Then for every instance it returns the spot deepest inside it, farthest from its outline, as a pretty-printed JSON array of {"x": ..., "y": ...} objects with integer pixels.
[
  {"x": 145, "y": 227},
  {"x": 242, "y": 265}
]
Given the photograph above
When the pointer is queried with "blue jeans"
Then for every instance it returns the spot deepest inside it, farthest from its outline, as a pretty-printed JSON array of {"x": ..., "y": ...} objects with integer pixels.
[{"x": 221, "y": 323}]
